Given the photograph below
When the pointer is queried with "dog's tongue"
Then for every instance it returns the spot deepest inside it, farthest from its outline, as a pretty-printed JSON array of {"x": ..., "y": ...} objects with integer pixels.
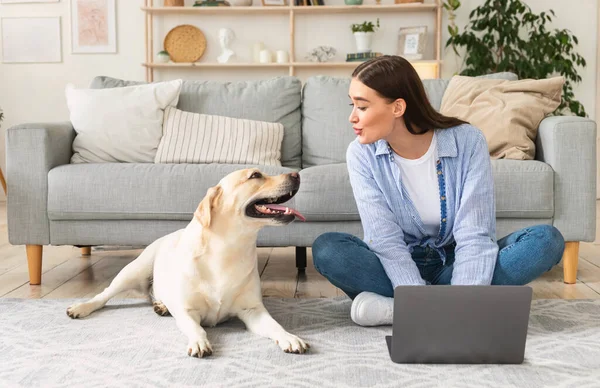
[{"x": 284, "y": 208}]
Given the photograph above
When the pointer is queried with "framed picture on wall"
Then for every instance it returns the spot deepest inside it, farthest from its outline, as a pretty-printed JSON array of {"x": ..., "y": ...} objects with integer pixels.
[
  {"x": 27, "y": 1},
  {"x": 412, "y": 42},
  {"x": 93, "y": 26},
  {"x": 31, "y": 40}
]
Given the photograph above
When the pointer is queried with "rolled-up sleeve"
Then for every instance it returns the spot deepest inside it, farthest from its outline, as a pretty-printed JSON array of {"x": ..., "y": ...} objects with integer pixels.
[{"x": 382, "y": 233}]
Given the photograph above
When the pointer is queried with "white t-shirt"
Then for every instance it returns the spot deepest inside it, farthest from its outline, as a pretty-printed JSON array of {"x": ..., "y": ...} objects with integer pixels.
[{"x": 419, "y": 177}]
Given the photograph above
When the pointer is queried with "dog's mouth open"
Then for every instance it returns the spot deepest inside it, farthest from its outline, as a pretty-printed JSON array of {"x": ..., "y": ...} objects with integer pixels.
[{"x": 271, "y": 207}]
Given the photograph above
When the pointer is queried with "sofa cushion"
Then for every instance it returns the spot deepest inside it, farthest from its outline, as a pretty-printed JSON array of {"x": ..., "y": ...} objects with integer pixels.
[
  {"x": 121, "y": 124},
  {"x": 325, "y": 194},
  {"x": 134, "y": 191},
  {"x": 508, "y": 112},
  {"x": 326, "y": 131},
  {"x": 274, "y": 100},
  {"x": 523, "y": 190},
  {"x": 198, "y": 138}
]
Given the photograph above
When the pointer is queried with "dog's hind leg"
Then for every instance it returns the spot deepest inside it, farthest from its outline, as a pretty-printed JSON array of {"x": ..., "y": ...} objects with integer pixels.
[{"x": 135, "y": 276}]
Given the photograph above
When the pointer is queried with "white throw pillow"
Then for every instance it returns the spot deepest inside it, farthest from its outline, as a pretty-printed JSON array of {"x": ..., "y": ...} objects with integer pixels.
[
  {"x": 200, "y": 138},
  {"x": 119, "y": 124}
]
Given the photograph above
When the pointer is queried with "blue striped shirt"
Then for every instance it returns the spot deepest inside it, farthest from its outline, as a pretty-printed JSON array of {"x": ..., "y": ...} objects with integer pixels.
[{"x": 391, "y": 223}]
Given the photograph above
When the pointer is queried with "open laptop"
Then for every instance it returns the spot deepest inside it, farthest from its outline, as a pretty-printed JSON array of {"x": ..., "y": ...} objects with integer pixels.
[{"x": 460, "y": 324}]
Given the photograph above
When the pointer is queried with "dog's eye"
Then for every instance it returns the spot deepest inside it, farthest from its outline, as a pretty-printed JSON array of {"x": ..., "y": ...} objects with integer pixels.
[{"x": 256, "y": 175}]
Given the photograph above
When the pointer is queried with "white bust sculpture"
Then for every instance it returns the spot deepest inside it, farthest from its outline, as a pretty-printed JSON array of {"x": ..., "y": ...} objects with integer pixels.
[{"x": 226, "y": 36}]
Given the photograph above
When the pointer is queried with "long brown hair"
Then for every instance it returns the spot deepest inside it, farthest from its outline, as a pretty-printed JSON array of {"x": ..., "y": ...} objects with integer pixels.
[{"x": 393, "y": 77}]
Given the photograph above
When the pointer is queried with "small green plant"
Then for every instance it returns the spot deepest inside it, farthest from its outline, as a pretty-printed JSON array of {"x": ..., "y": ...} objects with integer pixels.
[
  {"x": 365, "y": 27},
  {"x": 1, "y": 115}
]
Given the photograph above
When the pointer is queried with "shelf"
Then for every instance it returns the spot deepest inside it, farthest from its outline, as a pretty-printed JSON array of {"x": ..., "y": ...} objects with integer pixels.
[
  {"x": 425, "y": 68},
  {"x": 252, "y": 64},
  {"x": 417, "y": 7},
  {"x": 213, "y": 64},
  {"x": 212, "y": 10},
  {"x": 352, "y": 64},
  {"x": 414, "y": 7}
]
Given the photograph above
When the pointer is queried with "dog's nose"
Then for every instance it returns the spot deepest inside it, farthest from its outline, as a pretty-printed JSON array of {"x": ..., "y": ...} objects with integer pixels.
[{"x": 295, "y": 176}]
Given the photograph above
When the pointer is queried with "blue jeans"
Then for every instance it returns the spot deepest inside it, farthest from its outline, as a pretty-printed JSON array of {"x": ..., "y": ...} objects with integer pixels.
[{"x": 348, "y": 263}]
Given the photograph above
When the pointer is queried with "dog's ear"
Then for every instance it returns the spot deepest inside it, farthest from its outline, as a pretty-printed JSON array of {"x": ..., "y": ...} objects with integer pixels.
[{"x": 205, "y": 209}]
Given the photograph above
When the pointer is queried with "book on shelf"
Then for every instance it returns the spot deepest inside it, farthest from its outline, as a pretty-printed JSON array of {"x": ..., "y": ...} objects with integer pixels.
[{"x": 359, "y": 57}]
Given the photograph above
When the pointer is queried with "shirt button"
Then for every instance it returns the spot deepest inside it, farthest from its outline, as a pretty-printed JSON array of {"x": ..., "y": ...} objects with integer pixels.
[
  {"x": 443, "y": 198},
  {"x": 443, "y": 220},
  {"x": 439, "y": 173}
]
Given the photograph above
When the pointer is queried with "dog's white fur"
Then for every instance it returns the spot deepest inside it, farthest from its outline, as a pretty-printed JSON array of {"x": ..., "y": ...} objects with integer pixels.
[{"x": 207, "y": 272}]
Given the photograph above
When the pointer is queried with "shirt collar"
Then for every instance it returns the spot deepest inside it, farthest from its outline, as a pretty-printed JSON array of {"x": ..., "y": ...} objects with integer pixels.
[{"x": 446, "y": 144}]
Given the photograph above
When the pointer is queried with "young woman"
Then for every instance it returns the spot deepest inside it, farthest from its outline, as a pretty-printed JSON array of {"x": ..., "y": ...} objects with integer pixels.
[{"x": 424, "y": 190}]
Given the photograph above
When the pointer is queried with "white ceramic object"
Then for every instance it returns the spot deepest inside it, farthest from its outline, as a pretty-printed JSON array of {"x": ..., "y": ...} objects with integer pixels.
[
  {"x": 363, "y": 41},
  {"x": 282, "y": 56},
  {"x": 256, "y": 49},
  {"x": 226, "y": 37},
  {"x": 162, "y": 57},
  {"x": 265, "y": 56}
]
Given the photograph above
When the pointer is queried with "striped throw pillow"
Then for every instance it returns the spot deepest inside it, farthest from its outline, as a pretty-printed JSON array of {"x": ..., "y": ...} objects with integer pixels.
[{"x": 200, "y": 138}]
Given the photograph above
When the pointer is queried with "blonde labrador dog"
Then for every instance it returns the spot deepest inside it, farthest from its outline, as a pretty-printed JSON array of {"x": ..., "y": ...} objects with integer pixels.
[{"x": 207, "y": 272}]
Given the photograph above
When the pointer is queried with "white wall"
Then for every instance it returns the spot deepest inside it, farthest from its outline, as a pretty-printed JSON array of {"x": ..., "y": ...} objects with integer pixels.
[{"x": 35, "y": 92}]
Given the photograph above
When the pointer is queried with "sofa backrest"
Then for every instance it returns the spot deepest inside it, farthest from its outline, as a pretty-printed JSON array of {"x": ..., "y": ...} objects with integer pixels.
[
  {"x": 274, "y": 100},
  {"x": 326, "y": 130}
]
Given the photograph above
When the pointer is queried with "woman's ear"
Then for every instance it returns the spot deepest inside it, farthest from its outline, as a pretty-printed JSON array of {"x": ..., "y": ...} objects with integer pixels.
[{"x": 399, "y": 107}]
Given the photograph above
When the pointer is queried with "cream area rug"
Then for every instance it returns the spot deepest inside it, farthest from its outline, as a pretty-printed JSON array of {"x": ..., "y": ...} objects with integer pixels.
[{"x": 128, "y": 345}]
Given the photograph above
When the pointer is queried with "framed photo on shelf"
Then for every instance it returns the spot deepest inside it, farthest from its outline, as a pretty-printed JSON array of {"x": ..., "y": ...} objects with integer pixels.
[
  {"x": 93, "y": 27},
  {"x": 412, "y": 42},
  {"x": 273, "y": 2}
]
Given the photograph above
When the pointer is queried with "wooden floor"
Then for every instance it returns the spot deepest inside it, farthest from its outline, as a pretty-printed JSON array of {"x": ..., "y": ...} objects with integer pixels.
[{"x": 67, "y": 274}]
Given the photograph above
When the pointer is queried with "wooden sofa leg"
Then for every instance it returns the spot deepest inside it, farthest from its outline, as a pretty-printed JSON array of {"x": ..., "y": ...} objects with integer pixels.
[
  {"x": 34, "y": 261},
  {"x": 86, "y": 251},
  {"x": 301, "y": 259},
  {"x": 570, "y": 260}
]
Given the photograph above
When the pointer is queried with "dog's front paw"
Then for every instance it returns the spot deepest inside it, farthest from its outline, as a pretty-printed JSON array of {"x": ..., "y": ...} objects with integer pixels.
[
  {"x": 199, "y": 347},
  {"x": 80, "y": 310},
  {"x": 291, "y": 344}
]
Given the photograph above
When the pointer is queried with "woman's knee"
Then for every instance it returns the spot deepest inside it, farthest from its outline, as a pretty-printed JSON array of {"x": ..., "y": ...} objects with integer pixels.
[
  {"x": 552, "y": 240},
  {"x": 324, "y": 249}
]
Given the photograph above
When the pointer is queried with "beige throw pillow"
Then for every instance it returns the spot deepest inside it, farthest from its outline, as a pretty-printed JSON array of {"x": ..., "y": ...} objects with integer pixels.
[
  {"x": 507, "y": 112},
  {"x": 200, "y": 138}
]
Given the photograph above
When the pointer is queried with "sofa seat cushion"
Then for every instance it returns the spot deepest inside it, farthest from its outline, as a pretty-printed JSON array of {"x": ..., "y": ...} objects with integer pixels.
[
  {"x": 524, "y": 189},
  {"x": 325, "y": 194},
  {"x": 134, "y": 191}
]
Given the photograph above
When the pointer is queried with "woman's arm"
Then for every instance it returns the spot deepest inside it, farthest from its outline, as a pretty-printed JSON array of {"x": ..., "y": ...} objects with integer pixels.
[
  {"x": 475, "y": 223},
  {"x": 382, "y": 233}
]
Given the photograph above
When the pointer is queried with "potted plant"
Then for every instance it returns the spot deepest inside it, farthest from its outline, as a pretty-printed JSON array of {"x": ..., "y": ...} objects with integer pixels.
[
  {"x": 505, "y": 35},
  {"x": 363, "y": 33}
]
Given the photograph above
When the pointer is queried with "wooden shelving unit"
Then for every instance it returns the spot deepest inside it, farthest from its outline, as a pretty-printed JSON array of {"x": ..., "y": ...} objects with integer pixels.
[{"x": 427, "y": 66}]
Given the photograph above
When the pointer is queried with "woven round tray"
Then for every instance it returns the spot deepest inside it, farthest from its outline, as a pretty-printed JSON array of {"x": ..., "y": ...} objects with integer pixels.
[{"x": 185, "y": 43}]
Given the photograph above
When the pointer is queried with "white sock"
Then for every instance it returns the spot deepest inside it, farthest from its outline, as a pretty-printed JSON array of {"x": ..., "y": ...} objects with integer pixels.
[{"x": 370, "y": 309}]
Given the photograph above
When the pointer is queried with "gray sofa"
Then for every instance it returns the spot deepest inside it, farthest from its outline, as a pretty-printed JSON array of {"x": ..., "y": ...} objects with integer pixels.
[{"x": 52, "y": 202}]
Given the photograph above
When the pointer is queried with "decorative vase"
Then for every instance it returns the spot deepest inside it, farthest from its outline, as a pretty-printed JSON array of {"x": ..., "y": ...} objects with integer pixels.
[
  {"x": 173, "y": 3},
  {"x": 163, "y": 57},
  {"x": 353, "y": 2},
  {"x": 363, "y": 41}
]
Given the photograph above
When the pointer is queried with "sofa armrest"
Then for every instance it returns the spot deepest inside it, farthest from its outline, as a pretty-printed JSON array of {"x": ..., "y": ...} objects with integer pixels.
[
  {"x": 568, "y": 145},
  {"x": 31, "y": 151}
]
